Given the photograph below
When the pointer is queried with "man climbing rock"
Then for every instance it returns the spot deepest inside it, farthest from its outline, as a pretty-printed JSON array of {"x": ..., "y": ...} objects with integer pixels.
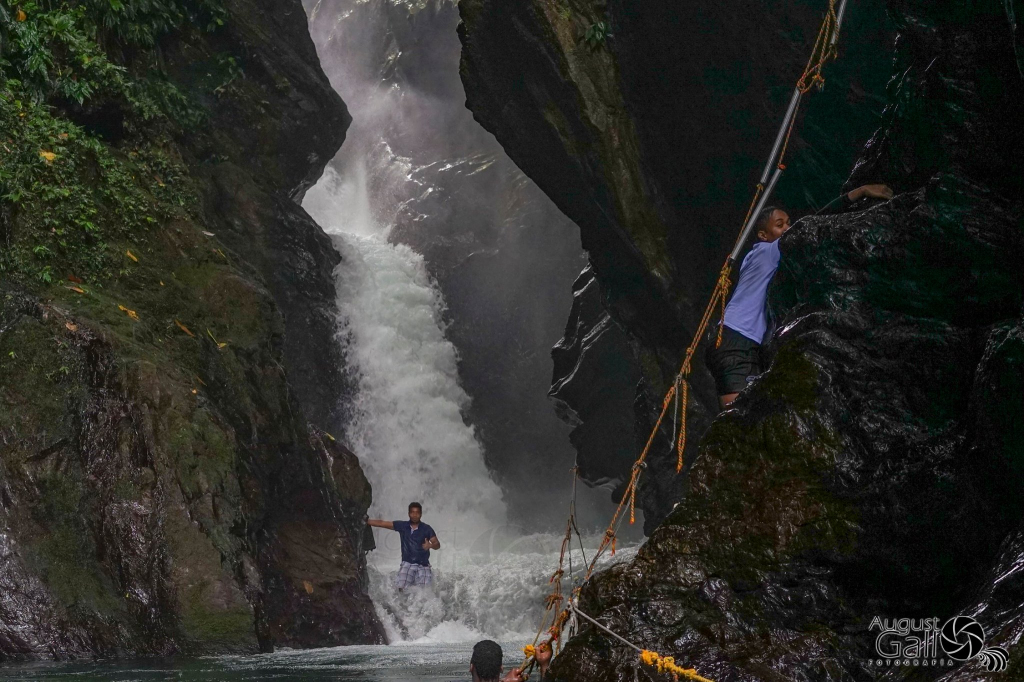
[
  {"x": 737, "y": 360},
  {"x": 417, "y": 541}
]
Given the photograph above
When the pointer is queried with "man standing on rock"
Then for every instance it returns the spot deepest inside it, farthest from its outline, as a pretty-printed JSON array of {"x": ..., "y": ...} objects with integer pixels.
[
  {"x": 417, "y": 541},
  {"x": 736, "y": 360}
]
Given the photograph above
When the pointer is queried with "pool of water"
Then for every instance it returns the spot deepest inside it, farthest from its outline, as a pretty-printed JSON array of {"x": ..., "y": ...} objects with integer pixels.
[{"x": 396, "y": 663}]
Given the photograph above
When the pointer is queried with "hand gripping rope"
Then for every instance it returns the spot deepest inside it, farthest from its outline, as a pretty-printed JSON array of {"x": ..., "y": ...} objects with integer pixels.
[{"x": 566, "y": 610}]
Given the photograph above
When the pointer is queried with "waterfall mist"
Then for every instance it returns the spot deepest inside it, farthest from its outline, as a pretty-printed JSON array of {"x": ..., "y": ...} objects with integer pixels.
[{"x": 455, "y": 283}]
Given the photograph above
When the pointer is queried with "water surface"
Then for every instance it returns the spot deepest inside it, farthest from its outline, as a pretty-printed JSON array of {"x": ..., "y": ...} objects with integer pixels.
[{"x": 428, "y": 662}]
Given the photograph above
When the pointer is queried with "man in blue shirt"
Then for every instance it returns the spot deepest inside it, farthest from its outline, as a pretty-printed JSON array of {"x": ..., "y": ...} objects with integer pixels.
[
  {"x": 417, "y": 541},
  {"x": 745, "y": 326}
]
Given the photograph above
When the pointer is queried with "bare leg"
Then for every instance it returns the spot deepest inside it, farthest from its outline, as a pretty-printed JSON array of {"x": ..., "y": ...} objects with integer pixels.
[{"x": 724, "y": 400}]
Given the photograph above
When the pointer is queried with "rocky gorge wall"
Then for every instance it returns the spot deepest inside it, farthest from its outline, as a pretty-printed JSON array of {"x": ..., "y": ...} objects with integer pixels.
[
  {"x": 875, "y": 468},
  {"x": 168, "y": 482}
]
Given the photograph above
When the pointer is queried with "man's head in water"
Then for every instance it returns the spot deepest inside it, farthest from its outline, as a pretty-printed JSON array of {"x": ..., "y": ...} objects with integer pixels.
[
  {"x": 771, "y": 224},
  {"x": 415, "y": 512},
  {"x": 485, "y": 665}
]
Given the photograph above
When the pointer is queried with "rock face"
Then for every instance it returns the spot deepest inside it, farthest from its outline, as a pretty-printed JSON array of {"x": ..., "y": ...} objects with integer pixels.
[
  {"x": 594, "y": 382},
  {"x": 651, "y": 142},
  {"x": 875, "y": 468},
  {"x": 162, "y": 489}
]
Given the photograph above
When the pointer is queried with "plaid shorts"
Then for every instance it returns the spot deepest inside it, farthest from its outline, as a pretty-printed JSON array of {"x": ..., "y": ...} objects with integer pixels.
[{"x": 413, "y": 574}]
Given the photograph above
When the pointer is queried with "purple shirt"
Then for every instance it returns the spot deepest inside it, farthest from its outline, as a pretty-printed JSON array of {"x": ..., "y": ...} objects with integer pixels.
[
  {"x": 747, "y": 310},
  {"x": 412, "y": 542}
]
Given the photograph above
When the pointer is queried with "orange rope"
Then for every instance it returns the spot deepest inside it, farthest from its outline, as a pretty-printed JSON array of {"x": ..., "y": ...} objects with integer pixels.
[
  {"x": 824, "y": 51},
  {"x": 682, "y": 430}
]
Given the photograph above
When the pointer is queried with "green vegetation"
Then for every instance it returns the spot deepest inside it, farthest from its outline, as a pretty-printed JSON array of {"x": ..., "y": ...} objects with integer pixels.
[
  {"x": 70, "y": 196},
  {"x": 84, "y": 164},
  {"x": 215, "y": 627},
  {"x": 65, "y": 556},
  {"x": 596, "y": 35}
]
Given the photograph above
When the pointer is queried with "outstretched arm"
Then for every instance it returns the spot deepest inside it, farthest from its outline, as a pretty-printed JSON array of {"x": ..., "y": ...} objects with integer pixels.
[
  {"x": 843, "y": 202},
  {"x": 376, "y": 523},
  {"x": 873, "y": 191}
]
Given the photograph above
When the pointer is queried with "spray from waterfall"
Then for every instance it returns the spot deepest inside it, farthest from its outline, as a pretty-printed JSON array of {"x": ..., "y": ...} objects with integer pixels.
[
  {"x": 407, "y": 419},
  {"x": 413, "y": 443}
]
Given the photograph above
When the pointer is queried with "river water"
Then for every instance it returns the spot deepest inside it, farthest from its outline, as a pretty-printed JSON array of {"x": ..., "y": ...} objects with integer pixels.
[{"x": 399, "y": 663}]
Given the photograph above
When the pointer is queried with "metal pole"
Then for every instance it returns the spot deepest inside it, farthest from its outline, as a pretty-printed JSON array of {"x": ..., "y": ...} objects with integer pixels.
[
  {"x": 782, "y": 133},
  {"x": 839, "y": 21},
  {"x": 624, "y": 641},
  {"x": 753, "y": 216},
  {"x": 795, "y": 99}
]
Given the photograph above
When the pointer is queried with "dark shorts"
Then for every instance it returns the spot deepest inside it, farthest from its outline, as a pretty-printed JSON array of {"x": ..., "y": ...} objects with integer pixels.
[{"x": 734, "y": 362}]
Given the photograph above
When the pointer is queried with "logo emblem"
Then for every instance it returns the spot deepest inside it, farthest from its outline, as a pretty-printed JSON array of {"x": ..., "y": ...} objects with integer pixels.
[{"x": 963, "y": 638}]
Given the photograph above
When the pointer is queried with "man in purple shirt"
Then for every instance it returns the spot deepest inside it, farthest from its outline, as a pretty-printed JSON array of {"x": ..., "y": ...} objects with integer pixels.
[
  {"x": 736, "y": 361},
  {"x": 417, "y": 540}
]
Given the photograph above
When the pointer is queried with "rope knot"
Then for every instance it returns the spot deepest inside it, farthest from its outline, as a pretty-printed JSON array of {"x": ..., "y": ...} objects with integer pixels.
[{"x": 552, "y": 600}]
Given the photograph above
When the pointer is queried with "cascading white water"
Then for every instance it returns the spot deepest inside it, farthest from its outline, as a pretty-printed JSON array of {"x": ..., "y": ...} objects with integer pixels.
[
  {"x": 412, "y": 441},
  {"x": 407, "y": 424}
]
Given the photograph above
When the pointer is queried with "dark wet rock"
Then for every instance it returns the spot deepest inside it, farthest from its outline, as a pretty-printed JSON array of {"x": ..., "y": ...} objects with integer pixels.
[
  {"x": 875, "y": 468},
  {"x": 849, "y": 481},
  {"x": 652, "y": 144},
  {"x": 290, "y": 252},
  {"x": 163, "y": 491},
  {"x": 593, "y": 385}
]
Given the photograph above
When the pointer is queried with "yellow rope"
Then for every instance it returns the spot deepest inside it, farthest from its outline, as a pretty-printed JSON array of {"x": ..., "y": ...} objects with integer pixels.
[{"x": 667, "y": 664}]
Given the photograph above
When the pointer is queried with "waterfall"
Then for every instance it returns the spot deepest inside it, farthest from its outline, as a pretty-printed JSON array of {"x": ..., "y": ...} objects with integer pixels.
[
  {"x": 407, "y": 421},
  {"x": 408, "y": 430}
]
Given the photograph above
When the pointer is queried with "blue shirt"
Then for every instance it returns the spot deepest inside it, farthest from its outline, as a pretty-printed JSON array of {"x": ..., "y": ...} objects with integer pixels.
[
  {"x": 747, "y": 310},
  {"x": 412, "y": 542}
]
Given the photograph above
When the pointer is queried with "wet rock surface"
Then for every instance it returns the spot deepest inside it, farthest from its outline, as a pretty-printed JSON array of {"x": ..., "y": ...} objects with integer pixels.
[
  {"x": 593, "y": 386},
  {"x": 874, "y": 469},
  {"x": 162, "y": 490},
  {"x": 651, "y": 143}
]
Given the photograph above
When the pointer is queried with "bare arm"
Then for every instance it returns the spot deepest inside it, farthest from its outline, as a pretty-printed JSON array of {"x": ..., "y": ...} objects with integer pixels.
[
  {"x": 376, "y": 523},
  {"x": 873, "y": 191},
  {"x": 432, "y": 543}
]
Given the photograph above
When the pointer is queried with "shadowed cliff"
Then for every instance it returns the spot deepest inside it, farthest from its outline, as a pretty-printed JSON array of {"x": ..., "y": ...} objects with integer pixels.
[
  {"x": 875, "y": 468},
  {"x": 166, "y": 333}
]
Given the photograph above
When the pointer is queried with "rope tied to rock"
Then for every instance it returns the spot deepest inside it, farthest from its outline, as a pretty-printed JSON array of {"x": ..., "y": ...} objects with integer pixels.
[
  {"x": 667, "y": 664},
  {"x": 663, "y": 664}
]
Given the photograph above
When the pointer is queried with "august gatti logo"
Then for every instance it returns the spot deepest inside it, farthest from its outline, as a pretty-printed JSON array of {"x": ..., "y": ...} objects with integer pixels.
[{"x": 913, "y": 642}]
